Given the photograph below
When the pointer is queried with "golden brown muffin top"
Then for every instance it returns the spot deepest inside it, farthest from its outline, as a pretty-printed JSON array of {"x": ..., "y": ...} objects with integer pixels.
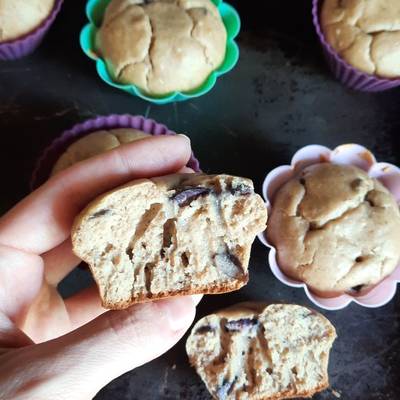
[
  {"x": 96, "y": 143},
  {"x": 20, "y": 17},
  {"x": 335, "y": 228},
  {"x": 365, "y": 33},
  {"x": 162, "y": 46}
]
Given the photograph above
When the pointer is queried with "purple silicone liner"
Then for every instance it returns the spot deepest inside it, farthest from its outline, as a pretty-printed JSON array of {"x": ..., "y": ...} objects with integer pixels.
[
  {"x": 51, "y": 154},
  {"x": 345, "y": 73},
  {"x": 25, "y": 45}
]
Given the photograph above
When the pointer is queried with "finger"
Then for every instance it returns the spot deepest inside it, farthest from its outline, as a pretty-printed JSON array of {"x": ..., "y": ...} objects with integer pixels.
[
  {"x": 186, "y": 170},
  {"x": 47, "y": 317},
  {"x": 10, "y": 335},
  {"x": 59, "y": 262},
  {"x": 197, "y": 298},
  {"x": 84, "y": 306},
  {"x": 21, "y": 277},
  {"x": 45, "y": 217},
  {"x": 102, "y": 350}
]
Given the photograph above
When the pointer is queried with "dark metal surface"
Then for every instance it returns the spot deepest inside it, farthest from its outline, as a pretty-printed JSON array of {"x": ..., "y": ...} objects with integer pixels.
[{"x": 279, "y": 98}]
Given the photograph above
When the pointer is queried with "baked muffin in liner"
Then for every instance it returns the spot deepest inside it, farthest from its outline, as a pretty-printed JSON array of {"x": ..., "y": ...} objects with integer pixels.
[
  {"x": 25, "y": 45},
  {"x": 343, "y": 71},
  {"x": 347, "y": 154},
  {"x": 95, "y": 10},
  {"x": 52, "y": 153}
]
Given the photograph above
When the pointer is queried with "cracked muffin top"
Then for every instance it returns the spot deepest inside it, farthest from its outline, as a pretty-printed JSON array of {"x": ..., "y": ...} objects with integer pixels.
[
  {"x": 96, "y": 143},
  {"x": 162, "y": 46},
  {"x": 365, "y": 33},
  {"x": 20, "y": 17},
  {"x": 336, "y": 229}
]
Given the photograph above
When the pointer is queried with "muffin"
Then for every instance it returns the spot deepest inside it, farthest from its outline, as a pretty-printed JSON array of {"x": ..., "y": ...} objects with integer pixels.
[
  {"x": 94, "y": 136},
  {"x": 162, "y": 46},
  {"x": 170, "y": 236},
  {"x": 365, "y": 34},
  {"x": 254, "y": 351},
  {"x": 96, "y": 143},
  {"x": 336, "y": 229},
  {"x": 20, "y": 17}
]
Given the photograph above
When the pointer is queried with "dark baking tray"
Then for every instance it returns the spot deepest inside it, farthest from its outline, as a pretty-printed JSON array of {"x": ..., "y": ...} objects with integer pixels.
[{"x": 280, "y": 97}]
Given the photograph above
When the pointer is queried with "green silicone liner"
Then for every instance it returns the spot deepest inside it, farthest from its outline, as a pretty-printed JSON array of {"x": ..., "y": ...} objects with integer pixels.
[{"x": 95, "y": 11}]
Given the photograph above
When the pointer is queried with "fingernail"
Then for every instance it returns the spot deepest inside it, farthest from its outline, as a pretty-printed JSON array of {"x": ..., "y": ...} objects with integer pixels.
[
  {"x": 196, "y": 298},
  {"x": 179, "y": 312},
  {"x": 186, "y": 170},
  {"x": 182, "y": 135}
]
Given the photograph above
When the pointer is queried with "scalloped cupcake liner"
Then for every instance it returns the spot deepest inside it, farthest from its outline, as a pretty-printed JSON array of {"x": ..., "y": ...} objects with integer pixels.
[
  {"x": 344, "y": 72},
  {"x": 348, "y": 154},
  {"x": 21, "y": 47},
  {"x": 51, "y": 154},
  {"x": 95, "y": 11}
]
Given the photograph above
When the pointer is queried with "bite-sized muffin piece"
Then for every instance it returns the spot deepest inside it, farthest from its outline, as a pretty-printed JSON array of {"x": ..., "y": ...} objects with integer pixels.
[
  {"x": 366, "y": 34},
  {"x": 20, "y": 17},
  {"x": 336, "y": 229},
  {"x": 254, "y": 351},
  {"x": 162, "y": 46},
  {"x": 96, "y": 143},
  {"x": 168, "y": 236}
]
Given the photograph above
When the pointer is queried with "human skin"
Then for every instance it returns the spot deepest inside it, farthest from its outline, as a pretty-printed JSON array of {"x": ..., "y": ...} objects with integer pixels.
[{"x": 54, "y": 348}]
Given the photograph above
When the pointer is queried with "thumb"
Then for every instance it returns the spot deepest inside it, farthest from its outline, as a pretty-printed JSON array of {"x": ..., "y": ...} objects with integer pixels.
[{"x": 87, "y": 359}]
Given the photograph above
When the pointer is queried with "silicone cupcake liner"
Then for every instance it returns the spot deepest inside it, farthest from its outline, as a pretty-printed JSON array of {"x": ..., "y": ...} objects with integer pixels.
[
  {"x": 51, "y": 154},
  {"x": 25, "y": 45},
  {"x": 349, "y": 154},
  {"x": 345, "y": 73},
  {"x": 95, "y": 10}
]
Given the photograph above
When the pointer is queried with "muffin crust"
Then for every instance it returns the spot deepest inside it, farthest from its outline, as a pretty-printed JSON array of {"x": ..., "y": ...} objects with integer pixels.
[
  {"x": 96, "y": 143},
  {"x": 162, "y": 45},
  {"x": 336, "y": 229},
  {"x": 366, "y": 34},
  {"x": 20, "y": 17}
]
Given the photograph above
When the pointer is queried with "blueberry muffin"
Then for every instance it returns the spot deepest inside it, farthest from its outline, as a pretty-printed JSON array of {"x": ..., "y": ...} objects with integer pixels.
[
  {"x": 162, "y": 46},
  {"x": 168, "y": 236},
  {"x": 252, "y": 351},
  {"x": 336, "y": 229},
  {"x": 366, "y": 34},
  {"x": 20, "y": 17}
]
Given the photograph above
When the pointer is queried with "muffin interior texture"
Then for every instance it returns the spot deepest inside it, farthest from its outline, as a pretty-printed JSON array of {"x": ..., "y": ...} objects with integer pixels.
[
  {"x": 20, "y": 17},
  {"x": 336, "y": 229},
  {"x": 170, "y": 236},
  {"x": 162, "y": 46},
  {"x": 365, "y": 33},
  {"x": 253, "y": 351}
]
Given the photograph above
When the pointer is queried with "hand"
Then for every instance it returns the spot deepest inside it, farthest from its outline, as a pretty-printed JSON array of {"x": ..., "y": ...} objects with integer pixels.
[{"x": 52, "y": 348}]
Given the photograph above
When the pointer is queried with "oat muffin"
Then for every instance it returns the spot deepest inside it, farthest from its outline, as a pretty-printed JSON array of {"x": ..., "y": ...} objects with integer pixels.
[
  {"x": 96, "y": 143},
  {"x": 366, "y": 34},
  {"x": 336, "y": 229},
  {"x": 20, "y": 17},
  {"x": 162, "y": 46},
  {"x": 253, "y": 351},
  {"x": 169, "y": 236}
]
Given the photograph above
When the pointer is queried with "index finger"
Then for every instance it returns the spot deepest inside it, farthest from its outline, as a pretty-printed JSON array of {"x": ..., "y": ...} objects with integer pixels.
[{"x": 43, "y": 220}]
